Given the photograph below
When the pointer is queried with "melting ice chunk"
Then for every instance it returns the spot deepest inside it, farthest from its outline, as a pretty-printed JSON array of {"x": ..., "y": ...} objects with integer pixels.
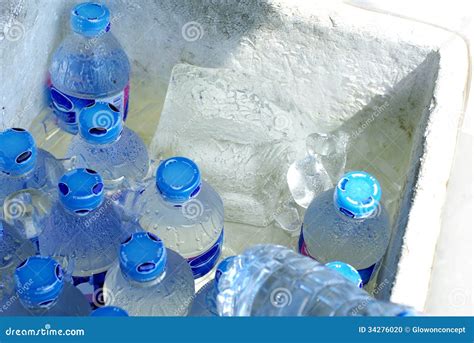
[
  {"x": 320, "y": 169},
  {"x": 242, "y": 140}
]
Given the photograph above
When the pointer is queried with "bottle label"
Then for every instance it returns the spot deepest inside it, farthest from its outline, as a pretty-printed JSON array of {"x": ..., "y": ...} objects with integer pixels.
[
  {"x": 365, "y": 274},
  {"x": 302, "y": 245},
  {"x": 92, "y": 288},
  {"x": 203, "y": 264},
  {"x": 67, "y": 107}
]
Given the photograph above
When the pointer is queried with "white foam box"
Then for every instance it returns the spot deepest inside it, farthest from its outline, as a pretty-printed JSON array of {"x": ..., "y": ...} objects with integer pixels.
[{"x": 396, "y": 85}]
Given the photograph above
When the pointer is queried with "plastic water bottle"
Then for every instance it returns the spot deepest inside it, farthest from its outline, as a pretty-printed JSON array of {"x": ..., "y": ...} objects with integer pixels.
[
  {"x": 204, "y": 304},
  {"x": 105, "y": 145},
  {"x": 23, "y": 166},
  {"x": 185, "y": 212},
  {"x": 83, "y": 225},
  {"x": 13, "y": 250},
  {"x": 109, "y": 311},
  {"x": 42, "y": 291},
  {"x": 271, "y": 280},
  {"x": 348, "y": 224},
  {"x": 90, "y": 65},
  {"x": 149, "y": 279}
]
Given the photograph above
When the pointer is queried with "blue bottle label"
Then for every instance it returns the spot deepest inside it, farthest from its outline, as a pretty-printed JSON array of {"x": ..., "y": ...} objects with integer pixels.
[
  {"x": 365, "y": 274},
  {"x": 203, "y": 264},
  {"x": 302, "y": 245},
  {"x": 67, "y": 107}
]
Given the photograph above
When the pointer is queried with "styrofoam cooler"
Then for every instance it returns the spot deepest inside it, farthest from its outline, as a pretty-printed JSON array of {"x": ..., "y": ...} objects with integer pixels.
[{"x": 396, "y": 85}]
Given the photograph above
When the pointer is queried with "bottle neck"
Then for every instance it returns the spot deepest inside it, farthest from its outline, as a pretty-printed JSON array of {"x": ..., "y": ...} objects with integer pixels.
[
  {"x": 25, "y": 175},
  {"x": 105, "y": 144},
  {"x": 94, "y": 36},
  {"x": 347, "y": 215},
  {"x": 178, "y": 203}
]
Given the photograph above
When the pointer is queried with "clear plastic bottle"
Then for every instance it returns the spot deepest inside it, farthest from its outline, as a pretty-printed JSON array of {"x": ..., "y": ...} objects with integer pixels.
[
  {"x": 186, "y": 212},
  {"x": 23, "y": 166},
  {"x": 348, "y": 224},
  {"x": 204, "y": 303},
  {"x": 13, "y": 250},
  {"x": 83, "y": 225},
  {"x": 272, "y": 280},
  {"x": 149, "y": 279},
  {"x": 89, "y": 65},
  {"x": 106, "y": 146},
  {"x": 42, "y": 291}
]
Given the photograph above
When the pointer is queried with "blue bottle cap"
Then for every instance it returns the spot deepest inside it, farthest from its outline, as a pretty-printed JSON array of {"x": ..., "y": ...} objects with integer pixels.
[
  {"x": 358, "y": 194},
  {"x": 223, "y": 267},
  {"x": 100, "y": 123},
  {"x": 142, "y": 257},
  {"x": 109, "y": 311},
  {"x": 178, "y": 179},
  {"x": 81, "y": 191},
  {"x": 39, "y": 281},
  {"x": 408, "y": 313},
  {"x": 346, "y": 270},
  {"x": 18, "y": 151},
  {"x": 90, "y": 19}
]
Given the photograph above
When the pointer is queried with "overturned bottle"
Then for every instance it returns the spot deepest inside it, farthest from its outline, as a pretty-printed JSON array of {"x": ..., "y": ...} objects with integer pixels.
[
  {"x": 348, "y": 224},
  {"x": 204, "y": 304},
  {"x": 272, "y": 280},
  {"x": 90, "y": 65}
]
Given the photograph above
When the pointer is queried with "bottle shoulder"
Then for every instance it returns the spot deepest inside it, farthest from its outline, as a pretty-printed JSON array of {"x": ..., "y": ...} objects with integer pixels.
[
  {"x": 89, "y": 67},
  {"x": 107, "y": 217},
  {"x": 206, "y": 202},
  {"x": 177, "y": 274},
  {"x": 323, "y": 210}
]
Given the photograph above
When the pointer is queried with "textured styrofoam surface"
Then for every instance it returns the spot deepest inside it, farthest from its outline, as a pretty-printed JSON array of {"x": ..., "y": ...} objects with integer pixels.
[{"x": 389, "y": 81}]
